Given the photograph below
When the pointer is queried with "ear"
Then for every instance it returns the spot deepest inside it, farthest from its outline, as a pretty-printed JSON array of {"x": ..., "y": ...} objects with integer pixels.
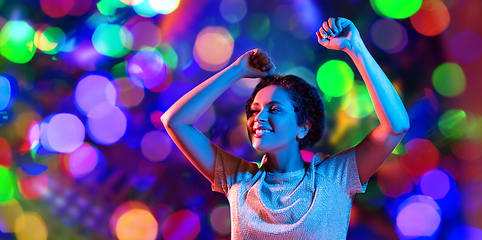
[{"x": 303, "y": 131}]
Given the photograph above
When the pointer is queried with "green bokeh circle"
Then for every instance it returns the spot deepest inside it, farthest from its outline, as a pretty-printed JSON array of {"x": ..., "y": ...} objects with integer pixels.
[
  {"x": 112, "y": 40},
  {"x": 449, "y": 79},
  {"x": 398, "y": 9},
  {"x": 335, "y": 78},
  {"x": 16, "y": 41},
  {"x": 453, "y": 124},
  {"x": 6, "y": 185},
  {"x": 55, "y": 35}
]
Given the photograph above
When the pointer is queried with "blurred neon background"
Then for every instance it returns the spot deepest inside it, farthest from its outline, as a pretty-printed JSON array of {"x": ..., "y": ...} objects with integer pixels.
[{"x": 83, "y": 83}]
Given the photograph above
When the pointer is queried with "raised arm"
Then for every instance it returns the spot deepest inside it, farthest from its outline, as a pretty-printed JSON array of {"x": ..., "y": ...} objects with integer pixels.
[
  {"x": 376, "y": 147},
  {"x": 180, "y": 117}
]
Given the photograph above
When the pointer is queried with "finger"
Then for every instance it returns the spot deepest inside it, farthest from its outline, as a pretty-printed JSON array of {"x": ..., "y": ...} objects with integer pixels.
[
  {"x": 267, "y": 67},
  {"x": 324, "y": 42},
  {"x": 254, "y": 53},
  {"x": 318, "y": 34},
  {"x": 327, "y": 29},
  {"x": 338, "y": 23},
  {"x": 259, "y": 58},
  {"x": 271, "y": 71},
  {"x": 332, "y": 25},
  {"x": 321, "y": 33},
  {"x": 265, "y": 60}
]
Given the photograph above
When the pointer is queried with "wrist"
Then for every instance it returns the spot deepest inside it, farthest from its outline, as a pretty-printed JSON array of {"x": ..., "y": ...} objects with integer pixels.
[
  {"x": 234, "y": 71},
  {"x": 357, "y": 48}
]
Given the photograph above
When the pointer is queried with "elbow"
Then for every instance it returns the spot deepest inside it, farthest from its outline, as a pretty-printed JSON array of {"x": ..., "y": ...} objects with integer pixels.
[
  {"x": 402, "y": 128},
  {"x": 165, "y": 120}
]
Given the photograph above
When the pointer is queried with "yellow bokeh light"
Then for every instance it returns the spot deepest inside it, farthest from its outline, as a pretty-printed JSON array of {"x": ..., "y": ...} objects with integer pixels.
[
  {"x": 30, "y": 226},
  {"x": 213, "y": 48},
  {"x": 136, "y": 224},
  {"x": 10, "y": 211}
]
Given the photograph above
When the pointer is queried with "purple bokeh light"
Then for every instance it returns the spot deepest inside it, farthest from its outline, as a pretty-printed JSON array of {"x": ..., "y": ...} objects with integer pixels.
[
  {"x": 106, "y": 124},
  {"x": 93, "y": 90},
  {"x": 435, "y": 184},
  {"x": 467, "y": 46},
  {"x": 63, "y": 132},
  {"x": 148, "y": 67}
]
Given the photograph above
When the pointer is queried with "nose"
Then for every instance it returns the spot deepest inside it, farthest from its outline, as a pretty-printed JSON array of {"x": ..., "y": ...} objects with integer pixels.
[{"x": 261, "y": 117}]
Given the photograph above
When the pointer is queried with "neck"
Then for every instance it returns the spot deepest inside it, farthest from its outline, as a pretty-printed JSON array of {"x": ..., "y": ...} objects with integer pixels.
[{"x": 285, "y": 160}]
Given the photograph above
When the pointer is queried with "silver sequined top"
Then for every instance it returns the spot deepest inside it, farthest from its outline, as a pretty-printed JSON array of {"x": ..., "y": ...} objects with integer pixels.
[{"x": 311, "y": 203}]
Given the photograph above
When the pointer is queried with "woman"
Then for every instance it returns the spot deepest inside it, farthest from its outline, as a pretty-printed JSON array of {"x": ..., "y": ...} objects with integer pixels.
[{"x": 287, "y": 198}]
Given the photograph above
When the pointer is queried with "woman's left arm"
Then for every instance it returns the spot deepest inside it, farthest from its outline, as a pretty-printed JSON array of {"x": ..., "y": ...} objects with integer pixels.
[{"x": 376, "y": 147}]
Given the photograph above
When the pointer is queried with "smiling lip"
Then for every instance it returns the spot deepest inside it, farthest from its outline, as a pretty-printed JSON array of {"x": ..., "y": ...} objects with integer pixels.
[{"x": 259, "y": 134}]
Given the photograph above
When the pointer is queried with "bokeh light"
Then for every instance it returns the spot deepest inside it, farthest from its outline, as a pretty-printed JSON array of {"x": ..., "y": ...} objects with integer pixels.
[
  {"x": 80, "y": 7},
  {"x": 419, "y": 216},
  {"x": 148, "y": 67},
  {"x": 30, "y": 226},
  {"x": 10, "y": 211},
  {"x": 335, "y": 78},
  {"x": 421, "y": 156},
  {"x": 453, "y": 124},
  {"x": 398, "y": 9},
  {"x": 213, "y": 48},
  {"x": 83, "y": 160},
  {"x": 5, "y": 93},
  {"x": 466, "y": 233},
  {"x": 92, "y": 90},
  {"x": 6, "y": 184},
  {"x": 144, "y": 32},
  {"x": 5, "y": 153},
  {"x": 155, "y": 117},
  {"x": 132, "y": 2},
  {"x": 32, "y": 186},
  {"x": 389, "y": 35},
  {"x": 156, "y": 146},
  {"x": 392, "y": 179},
  {"x": 50, "y": 40},
  {"x": 431, "y": 19},
  {"x": 56, "y": 8},
  {"x": 435, "y": 184},
  {"x": 467, "y": 149},
  {"x": 220, "y": 219},
  {"x": 144, "y": 9},
  {"x": 106, "y": 124},
  {"x": 358, "y": 102},
  {"x": 233, "y": 11},
  {"x": 86, "y": 57},
  {"x": 63, "y": 132},
  {"x": 34, "y": 136},
  {"x": 466, "y": 46},
  {"x": 128, "y": 93},
  {"x": 136, "y": 224},
  {"x": 183, "y": 224},
  {"x": 307, "y": 155},
  {"x": 16, "y": 41},
  {"x": 449, "y": 79},
  {"x": 112, "y": 40},
  {"x": 164, "y": 6}
]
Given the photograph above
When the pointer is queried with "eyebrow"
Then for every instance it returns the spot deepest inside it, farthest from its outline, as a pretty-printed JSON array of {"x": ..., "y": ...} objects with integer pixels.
[{"x": 270, "y": 103}]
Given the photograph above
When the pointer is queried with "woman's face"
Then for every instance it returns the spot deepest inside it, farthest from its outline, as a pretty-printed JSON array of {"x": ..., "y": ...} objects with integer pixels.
[{"x": 273, "y": 113}]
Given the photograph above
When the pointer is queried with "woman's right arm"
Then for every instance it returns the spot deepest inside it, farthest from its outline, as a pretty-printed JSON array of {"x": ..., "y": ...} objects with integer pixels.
[{"x": 180, "y": 117}]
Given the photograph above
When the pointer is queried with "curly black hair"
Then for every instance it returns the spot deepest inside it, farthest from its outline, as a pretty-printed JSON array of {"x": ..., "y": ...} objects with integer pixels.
[{"x": 306, "y": 102}]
